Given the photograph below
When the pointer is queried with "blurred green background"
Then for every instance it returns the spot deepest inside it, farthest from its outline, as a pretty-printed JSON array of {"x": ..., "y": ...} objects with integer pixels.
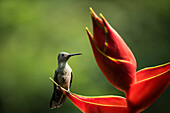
[{"x": 33, "y": 32}]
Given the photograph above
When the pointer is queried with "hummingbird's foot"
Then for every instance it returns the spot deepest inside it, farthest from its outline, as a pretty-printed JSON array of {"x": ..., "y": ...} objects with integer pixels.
[
  {"x": 69, "y": 91},
  {"x": 58, "y": 87}
]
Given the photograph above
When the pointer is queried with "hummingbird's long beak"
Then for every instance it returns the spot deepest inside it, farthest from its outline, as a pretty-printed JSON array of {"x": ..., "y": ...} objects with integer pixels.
[{"x": 74, "y": 54}]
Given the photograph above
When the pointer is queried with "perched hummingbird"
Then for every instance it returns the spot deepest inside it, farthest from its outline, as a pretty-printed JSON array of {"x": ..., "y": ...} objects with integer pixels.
[{"x": 63, "y": 76}]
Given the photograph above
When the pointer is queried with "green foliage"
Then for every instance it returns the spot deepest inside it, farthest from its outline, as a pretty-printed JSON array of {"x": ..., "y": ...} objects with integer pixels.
[{"x": 32, "y": 33}]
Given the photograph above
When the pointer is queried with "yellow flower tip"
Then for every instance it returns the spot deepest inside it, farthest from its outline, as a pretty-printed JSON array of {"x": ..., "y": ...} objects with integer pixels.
[
  {"x": 88, "y": 32},
  {"x": 93, "y": 14},
  {"x": 102, "y": 17},
  {"x": 87, "y": 29},
  {"x": 91, "y": 10}
]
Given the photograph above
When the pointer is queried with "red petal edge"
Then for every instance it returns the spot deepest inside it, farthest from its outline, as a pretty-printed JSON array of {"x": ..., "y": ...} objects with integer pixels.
[
  {"x": 149, "y": 86},
  {"x": 151, "y": 72}
]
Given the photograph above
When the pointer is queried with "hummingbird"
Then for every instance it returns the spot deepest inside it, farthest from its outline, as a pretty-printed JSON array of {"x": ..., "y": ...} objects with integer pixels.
[{"x": 63, "y": 76}]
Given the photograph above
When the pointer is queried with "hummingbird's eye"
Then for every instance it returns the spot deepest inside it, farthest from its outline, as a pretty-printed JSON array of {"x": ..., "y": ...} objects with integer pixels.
[{"x": 62, "y": 55}]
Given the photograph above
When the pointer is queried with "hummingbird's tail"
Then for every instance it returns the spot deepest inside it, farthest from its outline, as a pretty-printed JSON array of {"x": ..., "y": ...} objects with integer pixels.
[{"x": 58, "y": 98}]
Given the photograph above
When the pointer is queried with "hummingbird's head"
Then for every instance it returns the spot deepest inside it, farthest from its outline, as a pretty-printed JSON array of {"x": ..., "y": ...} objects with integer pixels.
[{"x": 63, "y": 56}]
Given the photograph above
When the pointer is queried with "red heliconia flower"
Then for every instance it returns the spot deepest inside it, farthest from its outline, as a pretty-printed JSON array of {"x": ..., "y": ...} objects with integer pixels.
[{"x": 118, "y": 64}]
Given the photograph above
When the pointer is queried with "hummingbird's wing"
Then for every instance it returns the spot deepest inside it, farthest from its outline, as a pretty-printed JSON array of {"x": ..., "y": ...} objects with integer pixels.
[
  {"x": 71, "y": 79},
  {"x": 58, "y": 98}
]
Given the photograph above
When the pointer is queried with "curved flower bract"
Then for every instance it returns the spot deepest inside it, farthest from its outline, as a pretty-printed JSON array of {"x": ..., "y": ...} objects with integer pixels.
[
  {"x": 112, "y": 55},
  {"x": 118, "y": 64},
  {"x": 150, "y": 84},
  {"x": 98, "y": 104}
]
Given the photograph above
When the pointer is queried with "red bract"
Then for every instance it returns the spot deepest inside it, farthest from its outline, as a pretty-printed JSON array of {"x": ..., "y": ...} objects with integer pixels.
[
  {"x": 118, "y": 64},
  {"x": 150, "y": 84},
  {"x": 112, "y": 55}
]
